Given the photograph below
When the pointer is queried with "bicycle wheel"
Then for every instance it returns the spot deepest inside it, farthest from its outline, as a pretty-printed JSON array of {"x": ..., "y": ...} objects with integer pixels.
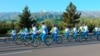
[
  {"x": 59, "y": 40},
  {"x": 27, "y": 41},
  {"x": 79, "y": 38},
  {"x": 70, "y": 38},
  {"x": 48, "y": 41},
  {"x": 7, "y": 40},
  {"x": 91, "y": 37},
  {"x": 36, "y": 42},
  {"x": 18, "y": 40},
  {"x": 98, "y": 37}
]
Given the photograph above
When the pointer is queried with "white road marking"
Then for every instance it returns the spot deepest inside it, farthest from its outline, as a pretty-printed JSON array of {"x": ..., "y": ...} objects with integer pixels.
[
  {"x": 18, "y": 52},
  {"x": 11, "y": 46}
]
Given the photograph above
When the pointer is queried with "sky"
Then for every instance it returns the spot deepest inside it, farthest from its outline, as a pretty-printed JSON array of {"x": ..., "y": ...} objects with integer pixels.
[{"x": 48, "y": 5}]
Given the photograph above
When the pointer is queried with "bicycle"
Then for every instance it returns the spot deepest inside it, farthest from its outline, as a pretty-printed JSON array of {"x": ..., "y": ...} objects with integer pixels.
[
  {"x": 72, "y": 37},
  {"x": 58, "y": 40},
  {"x": 92, "y": 36},
  {"x": 8, "y": 40},
  {"x": 20, "y": 40},
  {"x": 83, "y": 37},
  {"x": 97, "y": 37},
  {"x": 37, "y": 41}
]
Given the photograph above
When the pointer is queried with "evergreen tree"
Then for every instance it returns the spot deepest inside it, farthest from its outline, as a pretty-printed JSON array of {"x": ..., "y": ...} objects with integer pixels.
[
  {"x": 71, "y": 16},
  {"x": 25, "y": 18}
]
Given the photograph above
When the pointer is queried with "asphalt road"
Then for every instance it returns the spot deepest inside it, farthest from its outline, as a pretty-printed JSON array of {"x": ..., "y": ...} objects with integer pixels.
[{"x": 89, "y": 48}]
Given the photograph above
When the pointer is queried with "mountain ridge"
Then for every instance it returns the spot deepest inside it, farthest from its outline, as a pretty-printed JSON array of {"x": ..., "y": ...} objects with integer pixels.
[{"x": 44, "y": 15}]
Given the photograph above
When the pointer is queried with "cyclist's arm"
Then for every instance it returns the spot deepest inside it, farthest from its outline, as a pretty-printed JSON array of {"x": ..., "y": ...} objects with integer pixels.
[{"x": 51, "y": 30}]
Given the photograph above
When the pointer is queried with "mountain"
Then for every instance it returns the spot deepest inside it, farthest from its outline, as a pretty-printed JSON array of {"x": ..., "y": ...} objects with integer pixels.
[
  {"x": 90, "y": 13},
  {"x": 46, "y": 15},
  {"x": 9, "y": 16}
]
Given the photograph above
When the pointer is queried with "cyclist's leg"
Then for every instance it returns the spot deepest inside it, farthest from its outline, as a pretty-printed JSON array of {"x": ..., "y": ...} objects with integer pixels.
[
  {"x": 83, "y": 34},
  {"x": 86, "y": 33},
  {"x": 32, "y": 36},
  {"x": 13, "y": 38},
  {"x": 43, "y": 37},
  {"x": 98, "y": 37},
  {"x": 52, "y": 35},
  {"x": 74, "y": 35},
  {"x": 25, "y": 35},
  {"x": 21, "y": 36},
  {"x": 55, "y": 36},
  {"x": 66, "y": 35},
  {"x": 96, "y": 34}
]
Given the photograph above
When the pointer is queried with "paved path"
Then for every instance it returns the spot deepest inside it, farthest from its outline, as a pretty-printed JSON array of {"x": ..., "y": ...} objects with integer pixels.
[
  {"x": 90, "y": 48},
  {"x": 81, "y": 50}
]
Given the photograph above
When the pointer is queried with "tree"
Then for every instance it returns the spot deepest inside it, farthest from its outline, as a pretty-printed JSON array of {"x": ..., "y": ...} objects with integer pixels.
[
  {"x": 25, "y": 18},
  {"x": 71, "y": 16}
]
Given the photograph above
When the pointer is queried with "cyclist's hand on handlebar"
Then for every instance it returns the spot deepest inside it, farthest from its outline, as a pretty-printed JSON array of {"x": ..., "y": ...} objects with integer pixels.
[{"x": 38, "y": 31}]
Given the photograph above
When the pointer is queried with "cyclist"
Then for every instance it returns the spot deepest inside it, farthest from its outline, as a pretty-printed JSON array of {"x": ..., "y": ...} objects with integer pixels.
[
  {"x": 21, "y": 32},
  {"x": 85, "y": 32},
  {"x": 13, "y": 34},
  {"x": 75, "y": 32},
  {"x": 99, "y": 30},
  {"x": 34, "y": 31},
  {"x": 96, "y": 30},
  {"x": 26, "y": 32},
  {"x": 66, "y": 32},
  {"x": 81, "y": 30},
  {"x": 43, "y": 31},
  {"x": 54, "y": 32}
]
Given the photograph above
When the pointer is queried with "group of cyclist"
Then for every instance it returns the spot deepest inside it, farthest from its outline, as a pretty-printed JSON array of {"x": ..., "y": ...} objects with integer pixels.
[{"x": 82, "y": 29}]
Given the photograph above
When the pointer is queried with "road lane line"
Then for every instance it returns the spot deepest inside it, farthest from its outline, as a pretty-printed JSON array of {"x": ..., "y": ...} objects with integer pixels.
[
  {"x": 18, "y": 52},
  {"x": 12, "y": 46}
]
